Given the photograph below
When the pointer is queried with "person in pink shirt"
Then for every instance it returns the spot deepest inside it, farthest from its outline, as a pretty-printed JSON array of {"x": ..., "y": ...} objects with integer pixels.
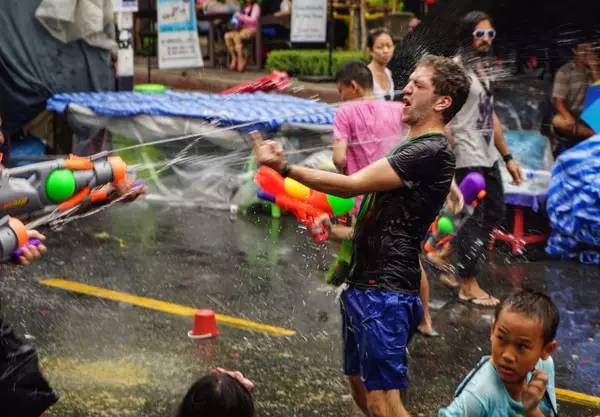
[
  {"x": 247, "y": 21},
  {"x": 366, "y": 129}
]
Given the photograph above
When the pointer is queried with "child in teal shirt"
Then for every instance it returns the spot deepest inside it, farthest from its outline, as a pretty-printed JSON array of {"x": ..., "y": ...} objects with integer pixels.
[{"x": 517, "y": 380}]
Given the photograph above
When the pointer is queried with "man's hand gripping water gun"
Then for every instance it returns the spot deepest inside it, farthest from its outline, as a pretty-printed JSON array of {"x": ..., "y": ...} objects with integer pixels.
[
  {"x": 71, "y": 183},
  {"x": 308, "y": 206},
  {"x": 449, "y": 221}
]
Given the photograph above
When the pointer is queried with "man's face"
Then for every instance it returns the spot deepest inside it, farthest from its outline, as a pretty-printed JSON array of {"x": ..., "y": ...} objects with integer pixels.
[
  {"x": 483, "y": 36},
  {"x": 517, "y": 344},
  {"x": 582, "y": 52},
  {"x": 419, "y": 96}
]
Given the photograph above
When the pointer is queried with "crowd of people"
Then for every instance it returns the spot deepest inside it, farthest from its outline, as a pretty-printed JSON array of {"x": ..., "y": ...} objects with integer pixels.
[{"x": 405, "y": 158}]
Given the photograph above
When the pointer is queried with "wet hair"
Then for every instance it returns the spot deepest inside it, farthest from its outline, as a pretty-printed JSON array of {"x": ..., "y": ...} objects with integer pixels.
[
  {"x": 449, "y": 79},
  {"x": 536, "y": 305},
  {"x": 467, "y": 26},
  {"x": 376, "y": 33},
  {"x": 217, "y": 396},
  {"x": 356, "y": 71}
]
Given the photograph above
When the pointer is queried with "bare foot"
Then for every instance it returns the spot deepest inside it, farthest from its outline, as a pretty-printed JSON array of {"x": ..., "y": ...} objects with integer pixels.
[
  {"x": 233, "y": 65},
  {"x": 242, "y": 64},
  {"x": 426, "y": 329}
]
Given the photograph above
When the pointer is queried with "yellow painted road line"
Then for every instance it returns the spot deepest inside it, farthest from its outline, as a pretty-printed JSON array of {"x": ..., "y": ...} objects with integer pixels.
[
  {"x": 163, "y": 306},
  {"x": 577, "y": 398}
]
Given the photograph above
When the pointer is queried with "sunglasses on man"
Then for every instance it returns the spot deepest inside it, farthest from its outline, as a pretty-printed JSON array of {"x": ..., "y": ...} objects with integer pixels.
[{"x": 480, "y": 33}]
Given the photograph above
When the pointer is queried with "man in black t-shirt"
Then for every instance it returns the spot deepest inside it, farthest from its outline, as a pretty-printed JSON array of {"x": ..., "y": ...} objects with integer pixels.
[{"x": 381, "y": 308}]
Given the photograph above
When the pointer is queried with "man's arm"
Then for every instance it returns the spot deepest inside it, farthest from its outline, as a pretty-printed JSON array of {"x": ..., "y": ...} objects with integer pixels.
[
  {"x": 511, "y": 165},
  {"x": 561, "y": 108},
  {"x": 340, "y": 147},
  {"x": 379, "y": 176}
]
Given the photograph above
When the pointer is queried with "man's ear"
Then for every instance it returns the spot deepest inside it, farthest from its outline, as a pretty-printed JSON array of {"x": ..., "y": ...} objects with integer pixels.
[
  {"x": 548, "y": 349},
  {"x": 442, "y": 103}
]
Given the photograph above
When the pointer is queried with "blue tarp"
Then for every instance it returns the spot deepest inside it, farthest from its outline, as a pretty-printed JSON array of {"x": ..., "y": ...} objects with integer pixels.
[
  {"x": 249, "y": 111},
  {"x": 573, "y": 203}
]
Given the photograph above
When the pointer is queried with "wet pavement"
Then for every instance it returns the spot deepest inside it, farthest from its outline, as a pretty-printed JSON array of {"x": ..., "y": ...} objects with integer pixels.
[{"x": 108, "y": 358}]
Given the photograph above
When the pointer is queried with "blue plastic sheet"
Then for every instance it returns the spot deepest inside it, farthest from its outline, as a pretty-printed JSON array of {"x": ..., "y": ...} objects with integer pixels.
[
  {"x": 573, "y": 203},
  {"x": 248, "y": 111}
]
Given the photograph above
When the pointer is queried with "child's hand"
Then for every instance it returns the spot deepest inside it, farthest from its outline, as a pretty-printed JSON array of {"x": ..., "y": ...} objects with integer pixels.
[
  {"x": 237, "y": 375},
  {"x": 455, "y": 199},
  {"x": 534, "y": 391},
  {"x": 31, "y": 253},
  {"x": 322, "y": 223}
]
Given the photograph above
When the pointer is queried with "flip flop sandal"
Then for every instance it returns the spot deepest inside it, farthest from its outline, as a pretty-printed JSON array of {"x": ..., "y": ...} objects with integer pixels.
[{"x": 472, "y": 302}]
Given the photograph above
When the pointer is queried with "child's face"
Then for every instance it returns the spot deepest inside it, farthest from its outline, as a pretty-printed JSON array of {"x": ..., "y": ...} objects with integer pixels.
[
  {"x": 517, "y": 345},
  {"x": 350, "y": 91}
]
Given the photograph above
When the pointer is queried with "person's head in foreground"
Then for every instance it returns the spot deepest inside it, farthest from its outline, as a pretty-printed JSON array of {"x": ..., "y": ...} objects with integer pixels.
[
  {"x": 436, "y": 91},
  {"x": 523, "y": 332},
  {"x": 220, "y": 394},
  {"x": 477, "y": 33},
  {"x": 380, "y": 46},
  {"x": 354, "y": 80}
]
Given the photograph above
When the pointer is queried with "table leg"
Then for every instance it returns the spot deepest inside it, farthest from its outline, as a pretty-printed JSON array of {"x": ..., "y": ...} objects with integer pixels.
[{"x": 211, "y": 43}]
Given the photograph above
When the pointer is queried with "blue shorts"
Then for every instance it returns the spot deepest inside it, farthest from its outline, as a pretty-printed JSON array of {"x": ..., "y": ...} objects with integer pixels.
[{"x": 376, "y": 328}]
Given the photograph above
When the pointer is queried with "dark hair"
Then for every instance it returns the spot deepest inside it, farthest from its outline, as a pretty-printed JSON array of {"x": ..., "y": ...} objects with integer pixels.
[
  {"x": 449, "y": 79},
  {"x": 217, "y": 396},
  {"x": 356, "y": 71},
  {"x": 374, "y": 34},
  {"x": 536, "y": 305},
  {"x": 467, "y": 25}
]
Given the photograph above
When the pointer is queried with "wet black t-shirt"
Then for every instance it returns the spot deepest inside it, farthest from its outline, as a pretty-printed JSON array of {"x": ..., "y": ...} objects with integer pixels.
[{"x": 393, "y": 223}]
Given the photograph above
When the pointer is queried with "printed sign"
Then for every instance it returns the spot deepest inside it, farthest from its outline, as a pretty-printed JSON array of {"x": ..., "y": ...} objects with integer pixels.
[
  {"x": 130, "y": 6},
  {"x": 309, "y": 20},
  {"x": 178, "y": 45}
]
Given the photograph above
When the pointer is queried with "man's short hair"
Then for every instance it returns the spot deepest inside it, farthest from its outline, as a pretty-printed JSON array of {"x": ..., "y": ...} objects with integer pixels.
[
  {"x": 449, "y": 79},
  {"x": 356, "y": 71},
  {"x": 536, "y": 305}
]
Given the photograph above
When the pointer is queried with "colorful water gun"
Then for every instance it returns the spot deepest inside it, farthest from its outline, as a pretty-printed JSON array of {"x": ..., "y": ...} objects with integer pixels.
[
  {"x": 447, "y": 224},
  {"x": 298, "y": 199},
  {"x": 65, "y": 182}
]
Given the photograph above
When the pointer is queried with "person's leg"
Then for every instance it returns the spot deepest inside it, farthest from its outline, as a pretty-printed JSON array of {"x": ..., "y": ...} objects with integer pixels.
[
  {"x": 388, "y": 321},
  {"x": 350, "y": 349},
  {"x": 490, "y": 215},
  {"x": 229, "y": 42},
  {"x": 385, "y": 403},
  {"x": 359, "y": 392},
  {"x": 470, "y": 245},
  {"x": 244, "y": 34},
  {"x": 577, "y": 131},
  {"x": 426, "y": 326}
]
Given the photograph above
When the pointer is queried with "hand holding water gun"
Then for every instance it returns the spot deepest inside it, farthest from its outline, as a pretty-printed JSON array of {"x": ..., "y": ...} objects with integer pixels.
[
  {"x": 17, "y": 244},
  {"x": 449, "y": 222},
  {"x": 67, "y": 182},
  {"x": 306, "y": 204}
]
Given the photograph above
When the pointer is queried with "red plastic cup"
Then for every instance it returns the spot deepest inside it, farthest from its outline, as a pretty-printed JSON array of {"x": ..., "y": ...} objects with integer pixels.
[{"x": 205, "y": 325}]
